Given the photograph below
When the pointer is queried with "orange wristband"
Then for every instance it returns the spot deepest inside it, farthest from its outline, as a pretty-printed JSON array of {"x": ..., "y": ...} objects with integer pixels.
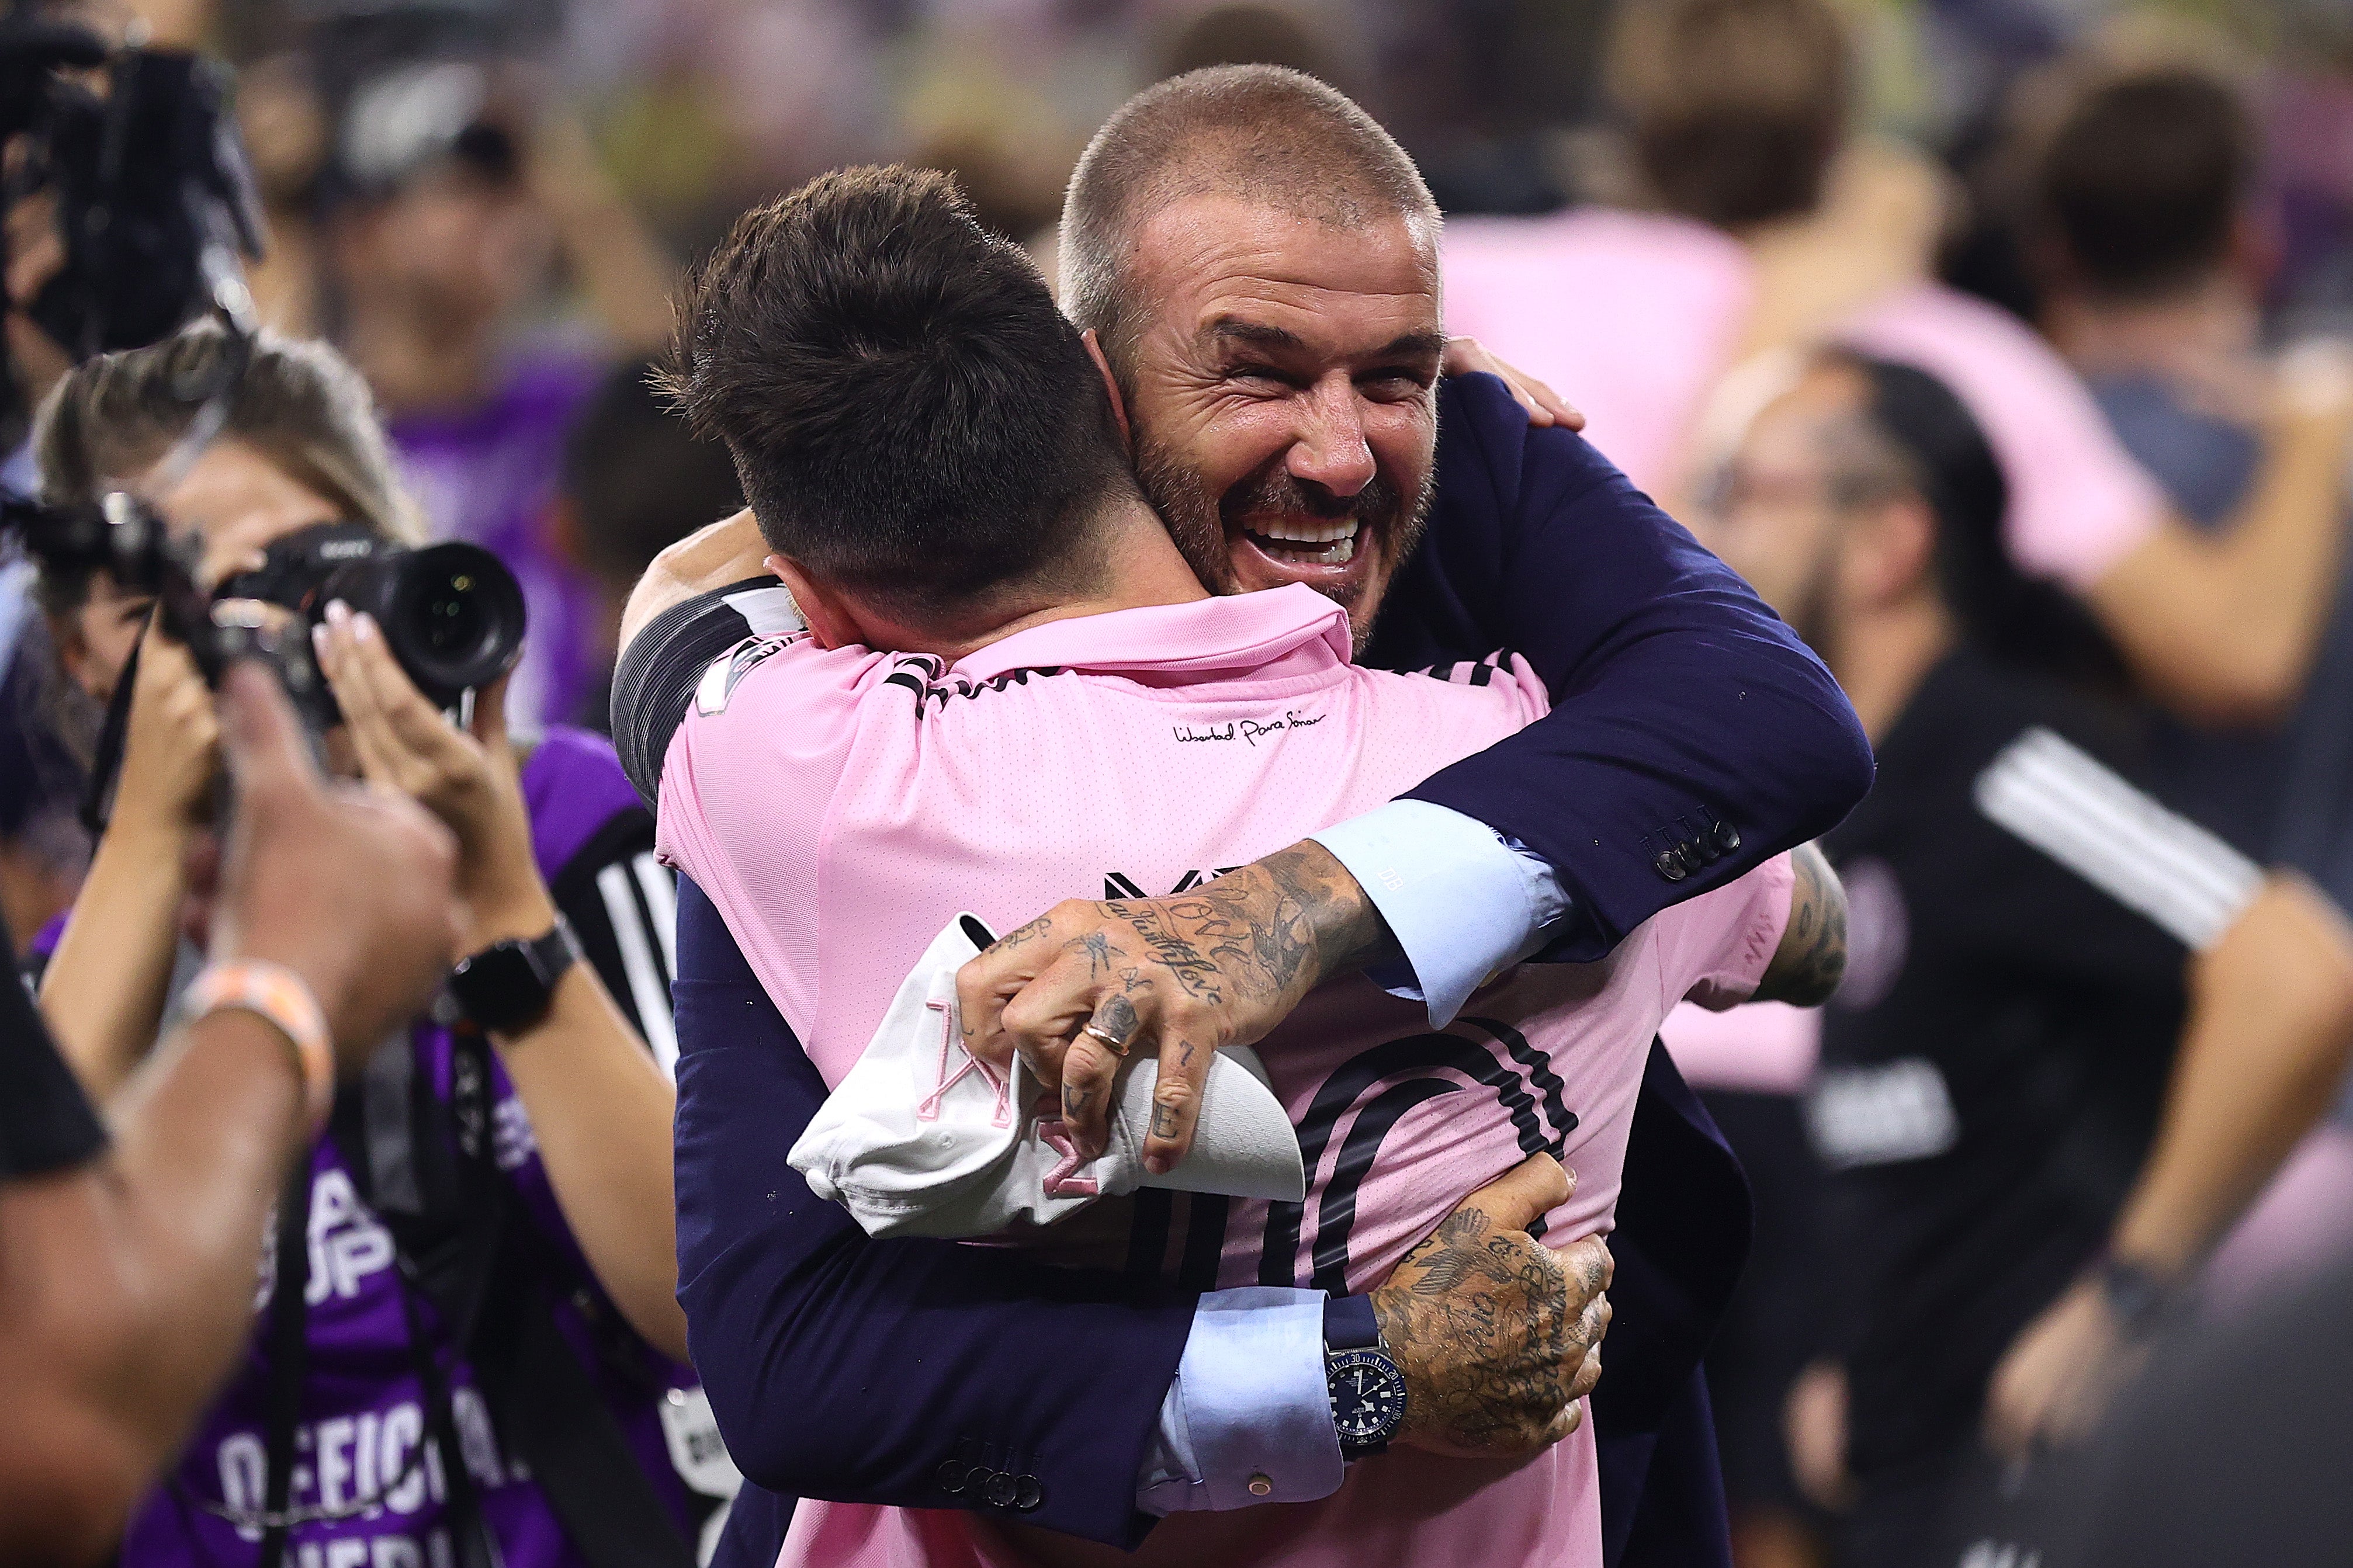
[{"x": 282, "y": 999}]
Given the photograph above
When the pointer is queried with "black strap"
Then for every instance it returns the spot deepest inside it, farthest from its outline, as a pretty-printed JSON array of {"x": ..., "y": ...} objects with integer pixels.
[
  {"x": 289, "y": 1354},
  {"x": 476, "y": 1545},
  {"x": 549, "y": 1410},
  {"x": 485, "y": 1269},
  {"x": 96, "y": 807}
]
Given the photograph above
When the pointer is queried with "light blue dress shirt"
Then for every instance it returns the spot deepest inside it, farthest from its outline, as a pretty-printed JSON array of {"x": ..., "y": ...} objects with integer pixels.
[{"x": 1249, "y": 1401}]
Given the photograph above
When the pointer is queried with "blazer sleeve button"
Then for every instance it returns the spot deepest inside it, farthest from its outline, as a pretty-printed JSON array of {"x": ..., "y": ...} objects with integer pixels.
[
  {"x": 1670, "y": 865},
  {"x": 1726, "y": 836},
  {"x": 1002, "y": 1488},
  {"x": 953, "y": 1474},
  {"x": 1029, "y": 1494}
]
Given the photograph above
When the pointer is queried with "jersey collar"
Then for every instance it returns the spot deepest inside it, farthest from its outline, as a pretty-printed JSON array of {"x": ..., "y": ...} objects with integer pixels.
[{"x": 1238, "y": 633}]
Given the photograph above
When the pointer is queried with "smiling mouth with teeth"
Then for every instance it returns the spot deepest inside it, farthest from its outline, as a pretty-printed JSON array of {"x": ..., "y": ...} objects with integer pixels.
[{"x": 1308, "y": 543}]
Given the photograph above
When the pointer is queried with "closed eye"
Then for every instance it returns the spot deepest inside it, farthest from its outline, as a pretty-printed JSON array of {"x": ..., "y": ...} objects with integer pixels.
[
  {"x": 1395, "y": 380},
  {"x": 1261, "y": 375}
]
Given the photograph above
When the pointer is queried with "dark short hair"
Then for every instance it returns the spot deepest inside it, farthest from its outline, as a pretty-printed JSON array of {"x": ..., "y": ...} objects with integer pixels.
[
  {"x": 1941, "y": 452},
  {"x": 910, "y": 415},
  {"x": 637, "y": 476},
  {"x": 1736, "y": 106},
  {"x": 2145, "y": 179}
]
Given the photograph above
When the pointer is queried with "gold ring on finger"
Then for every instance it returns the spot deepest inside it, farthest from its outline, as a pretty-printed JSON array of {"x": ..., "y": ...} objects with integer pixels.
[{"x": 1117, "y": 1047}]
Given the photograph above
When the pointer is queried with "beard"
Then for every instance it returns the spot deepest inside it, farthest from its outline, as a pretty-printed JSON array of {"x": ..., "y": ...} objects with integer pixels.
[{"x": 1201, "y": 522}]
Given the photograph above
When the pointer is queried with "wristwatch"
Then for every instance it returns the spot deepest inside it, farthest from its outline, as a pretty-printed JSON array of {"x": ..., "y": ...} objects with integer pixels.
[
  {"x": 2135, "y": 1292},
  {"x": 1367, "y": 1388},
  {"x": 508, "y": 985}
]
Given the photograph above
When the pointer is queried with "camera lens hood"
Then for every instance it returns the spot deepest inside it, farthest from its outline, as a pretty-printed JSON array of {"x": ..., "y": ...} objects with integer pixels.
[{"x": 451, "y": 613}]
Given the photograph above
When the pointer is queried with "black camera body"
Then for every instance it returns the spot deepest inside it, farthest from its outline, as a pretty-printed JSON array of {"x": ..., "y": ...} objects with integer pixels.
[
  {"x": 155, "y": 200},
  {"x": 451, "y": 613}
]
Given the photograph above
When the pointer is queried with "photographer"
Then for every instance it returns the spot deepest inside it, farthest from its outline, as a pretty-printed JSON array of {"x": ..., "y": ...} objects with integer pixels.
[
  {"x": 442, "y": 1374},
  {"x": 125, "y": 1271}
]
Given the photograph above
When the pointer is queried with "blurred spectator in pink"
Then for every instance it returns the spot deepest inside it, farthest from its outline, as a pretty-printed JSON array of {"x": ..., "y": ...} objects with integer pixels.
[
  {"x": 450, "y": 203},
  {"x": 1775, "y": 230},
  {"x": 2153, "y": 256},
  {"x": 2153, "y": 251}
]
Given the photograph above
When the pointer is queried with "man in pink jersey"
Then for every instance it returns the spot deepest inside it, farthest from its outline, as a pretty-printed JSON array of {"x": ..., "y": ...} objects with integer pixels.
[{"x": 986, "y": 599}]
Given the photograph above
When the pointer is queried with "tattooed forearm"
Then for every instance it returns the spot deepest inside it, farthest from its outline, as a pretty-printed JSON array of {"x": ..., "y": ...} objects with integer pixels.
[
  {"x": 1811, "y": 959},
  {"x": 1347, "y": 931},
  {"x": 1268, "y": 932}
]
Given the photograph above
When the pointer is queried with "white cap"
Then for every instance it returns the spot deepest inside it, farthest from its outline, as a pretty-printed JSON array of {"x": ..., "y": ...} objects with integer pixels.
[{"x": 921, "y": 1139}]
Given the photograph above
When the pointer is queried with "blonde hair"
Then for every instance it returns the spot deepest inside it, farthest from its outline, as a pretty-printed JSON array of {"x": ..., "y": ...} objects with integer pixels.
[{"x": 299, "y": 403}]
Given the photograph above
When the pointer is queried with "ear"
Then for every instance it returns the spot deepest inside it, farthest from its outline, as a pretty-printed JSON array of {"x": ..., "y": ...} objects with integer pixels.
[
  {"x": 1894, "y": 555},
  {"x": 1111, "y": 385},
  {"x": 74, "y": 653},
  {"x": 2257, "y": 247},
  {"x": 830, "y": 617}
]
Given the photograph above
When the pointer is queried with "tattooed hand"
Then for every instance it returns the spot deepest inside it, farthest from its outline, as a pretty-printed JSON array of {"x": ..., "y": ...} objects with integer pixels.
[
  {"x": 1499, "y": 1336},
  {"x": 1076, "y": 991}
]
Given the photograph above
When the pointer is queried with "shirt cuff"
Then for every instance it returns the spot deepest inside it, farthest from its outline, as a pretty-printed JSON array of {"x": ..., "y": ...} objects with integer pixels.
[
  {"x": 1249, "y": 1408},
  {"x": 1463, "y": 900}
]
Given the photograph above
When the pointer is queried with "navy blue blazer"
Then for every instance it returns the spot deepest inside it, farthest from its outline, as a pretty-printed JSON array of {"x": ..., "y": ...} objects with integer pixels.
[{"x": 1694, "y": 736}]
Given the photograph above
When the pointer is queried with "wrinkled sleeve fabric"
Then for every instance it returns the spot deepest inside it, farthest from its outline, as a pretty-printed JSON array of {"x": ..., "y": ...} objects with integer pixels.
[
  {"x": 1682, "y": 705},
  {"x": 1461, "y": 901},
  {"x": 885, "y": 1372},
  {"x": 1250, "y": 1403}
]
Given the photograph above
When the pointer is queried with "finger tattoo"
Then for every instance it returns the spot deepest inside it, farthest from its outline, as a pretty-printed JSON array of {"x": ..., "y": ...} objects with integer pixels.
[{"x": 1116, "y": 1017}]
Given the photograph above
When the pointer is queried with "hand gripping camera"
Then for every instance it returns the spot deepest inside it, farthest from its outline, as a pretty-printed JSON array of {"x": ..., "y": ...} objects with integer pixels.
[
  {"x": 155, "y": 202},
  {"x": 451, "y": 613}
]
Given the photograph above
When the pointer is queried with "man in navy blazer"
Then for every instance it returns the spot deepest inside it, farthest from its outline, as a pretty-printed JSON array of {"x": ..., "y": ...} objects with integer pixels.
[{"x": 1692, "y": 737}]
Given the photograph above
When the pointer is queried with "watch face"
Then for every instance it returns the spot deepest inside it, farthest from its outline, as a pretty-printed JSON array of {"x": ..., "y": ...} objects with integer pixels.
[
  {"x": 1367, "y": 1395},
  {"x": 498, "y": 988}
]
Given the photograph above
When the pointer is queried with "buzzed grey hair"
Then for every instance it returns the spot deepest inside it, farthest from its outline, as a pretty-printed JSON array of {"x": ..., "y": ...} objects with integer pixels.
[{"x": 1264, "y": 134}]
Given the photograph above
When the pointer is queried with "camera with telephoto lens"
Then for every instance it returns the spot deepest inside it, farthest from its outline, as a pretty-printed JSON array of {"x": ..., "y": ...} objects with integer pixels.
[
  {"x": 451, "y": 613},
  {"x": 153, "y": 199}
]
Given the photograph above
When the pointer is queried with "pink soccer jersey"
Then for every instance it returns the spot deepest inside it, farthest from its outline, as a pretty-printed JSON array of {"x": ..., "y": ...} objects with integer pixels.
[{"x": 840, "y": 807}]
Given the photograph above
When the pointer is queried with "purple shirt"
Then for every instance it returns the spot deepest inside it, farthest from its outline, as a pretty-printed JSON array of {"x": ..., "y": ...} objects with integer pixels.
[
  {"x": 489, "y": 474},
  {"x": 362, "y": 1414}
]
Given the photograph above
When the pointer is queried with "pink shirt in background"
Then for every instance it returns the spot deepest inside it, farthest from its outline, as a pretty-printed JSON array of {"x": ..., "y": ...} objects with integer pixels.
[
  {"x": 840, "y": 807},
  {"x": 1634, "y": 319},
  {"x": 2078, "y": 502},
  {"x": 1765, "y": 1047},
  {"x": 1630, "y": 316}
]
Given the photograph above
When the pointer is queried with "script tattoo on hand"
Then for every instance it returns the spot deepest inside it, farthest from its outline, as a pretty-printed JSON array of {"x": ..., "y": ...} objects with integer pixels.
[
  {"x": 1021, "y": 934},
  {"x": 1811, "y": 959},
  {"x": 1170, "y": 949},
  {"x": 1264, "y": 935},
  {"x": 1490, "y": 1337}
]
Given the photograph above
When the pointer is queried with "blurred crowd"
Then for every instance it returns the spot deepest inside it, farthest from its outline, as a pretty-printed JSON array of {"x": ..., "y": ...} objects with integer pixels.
[{"x": 2119, "y": 238}]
